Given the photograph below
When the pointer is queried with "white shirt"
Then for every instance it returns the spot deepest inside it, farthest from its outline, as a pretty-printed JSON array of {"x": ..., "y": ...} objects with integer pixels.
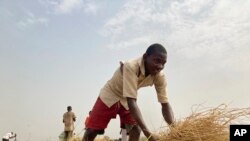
[{"x": 9, "y": 136}]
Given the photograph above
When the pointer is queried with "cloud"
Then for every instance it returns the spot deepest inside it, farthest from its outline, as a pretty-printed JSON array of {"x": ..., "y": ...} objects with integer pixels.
[
  {"x": 69, "y": 6},
  {"x": 134, "y": 42},
  {"x": 31, "y": 20},
  {"x": 155, "y": 18},
  {"x": 134, "y": 21},
  {"x": 191, "y": 28},
  {"x": 66, "y": 6},
  {"x": 90, "y": 8}
]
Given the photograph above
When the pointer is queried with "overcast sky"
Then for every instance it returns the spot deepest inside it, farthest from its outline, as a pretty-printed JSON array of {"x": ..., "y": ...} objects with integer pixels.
[{"x": 55, "y": 53}]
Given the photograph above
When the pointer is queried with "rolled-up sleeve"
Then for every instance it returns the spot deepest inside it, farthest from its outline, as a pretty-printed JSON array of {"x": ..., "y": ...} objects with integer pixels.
[
  {"x": 160, "y": 83},
  {"x": 129, "y": 81}
]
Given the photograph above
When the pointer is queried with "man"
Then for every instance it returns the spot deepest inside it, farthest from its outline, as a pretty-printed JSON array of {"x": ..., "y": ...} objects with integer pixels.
[
  {"x": 9, "y": 136},
  {"x": 68, "y": 119},
  {"x": 119, "y": 95}
]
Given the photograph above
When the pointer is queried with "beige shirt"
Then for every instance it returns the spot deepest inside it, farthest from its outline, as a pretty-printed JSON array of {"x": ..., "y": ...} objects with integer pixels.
[
  {"x": 68, "y": 121},
  {"x": 126, "y": 82}
]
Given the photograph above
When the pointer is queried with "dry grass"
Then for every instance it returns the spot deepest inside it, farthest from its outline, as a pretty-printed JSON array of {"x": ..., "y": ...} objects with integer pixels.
[{"x": 206, "y": 124}]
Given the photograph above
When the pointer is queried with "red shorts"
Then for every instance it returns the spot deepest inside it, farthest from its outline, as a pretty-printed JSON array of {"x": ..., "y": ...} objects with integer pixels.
[{"x": 102, "y": 114}]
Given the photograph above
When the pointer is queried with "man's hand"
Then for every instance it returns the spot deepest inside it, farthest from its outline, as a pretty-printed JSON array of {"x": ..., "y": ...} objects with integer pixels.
[
  {"x": 135, "y": 112},
  {"x": 149, "y": 135},
  {"x": 152, "y": 138}
]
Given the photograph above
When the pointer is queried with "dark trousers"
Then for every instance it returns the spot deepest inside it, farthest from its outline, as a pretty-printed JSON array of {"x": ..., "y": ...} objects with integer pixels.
[
  {"x": 5, "y": 140},
  {"x": 68, "y": 135}
]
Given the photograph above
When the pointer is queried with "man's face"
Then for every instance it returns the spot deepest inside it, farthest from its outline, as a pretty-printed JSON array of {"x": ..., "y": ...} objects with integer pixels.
[{"x": 155, "y": 62}]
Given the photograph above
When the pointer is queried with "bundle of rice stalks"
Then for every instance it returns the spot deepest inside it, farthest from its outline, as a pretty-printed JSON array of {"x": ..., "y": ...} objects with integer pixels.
[{"x": 206, "y": 124}]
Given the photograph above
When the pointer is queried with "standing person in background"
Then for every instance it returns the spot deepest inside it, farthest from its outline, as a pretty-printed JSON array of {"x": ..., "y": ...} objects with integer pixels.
[
  {"x": 119, "y": 95},
  {"x": 9, "y": 136},
  {"x": 68, "y": 119}
]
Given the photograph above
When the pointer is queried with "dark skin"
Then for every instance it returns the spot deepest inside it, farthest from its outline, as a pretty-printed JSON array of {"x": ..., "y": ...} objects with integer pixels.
[{"x": 154, "y": 63}]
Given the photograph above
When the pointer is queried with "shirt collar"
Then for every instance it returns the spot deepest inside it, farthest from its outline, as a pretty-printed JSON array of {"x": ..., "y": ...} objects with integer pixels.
[{"x": 141, "y": 65}]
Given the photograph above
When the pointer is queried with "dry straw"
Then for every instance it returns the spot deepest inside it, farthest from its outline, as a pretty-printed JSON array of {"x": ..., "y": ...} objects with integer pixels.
[{"x": 206, "y": 124}]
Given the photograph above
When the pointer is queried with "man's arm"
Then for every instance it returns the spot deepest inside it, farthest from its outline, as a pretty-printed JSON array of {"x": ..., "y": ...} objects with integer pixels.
[
  {"x": 63, "y": 118},
  {"x": 135, "y": 111},
  {"x": 74, "y": 117},
  {"x": 167, "y": 113}
]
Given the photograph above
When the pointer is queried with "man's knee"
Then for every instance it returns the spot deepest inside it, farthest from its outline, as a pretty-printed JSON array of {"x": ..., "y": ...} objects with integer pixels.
[
  {"x": 90, "y": 134},
  {"x": 134, "y": 133},
  {"x": 136, "y": 129}
]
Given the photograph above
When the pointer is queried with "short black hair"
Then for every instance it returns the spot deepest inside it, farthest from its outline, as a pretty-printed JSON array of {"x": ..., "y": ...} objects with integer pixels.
[
  {"x": 156, "y": 47},
  {"x": 69, "y": 108}
]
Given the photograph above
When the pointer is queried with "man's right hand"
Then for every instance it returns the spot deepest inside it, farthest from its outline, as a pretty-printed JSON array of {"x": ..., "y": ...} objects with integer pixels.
[
  {"x": 152, "y": 138},
  {"x": 149, "y": 135},
  {"x": 135, "y": 112}
]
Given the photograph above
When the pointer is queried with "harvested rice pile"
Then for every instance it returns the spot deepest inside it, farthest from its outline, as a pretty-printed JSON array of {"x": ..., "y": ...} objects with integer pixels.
[{"x": 206, "y": 124}]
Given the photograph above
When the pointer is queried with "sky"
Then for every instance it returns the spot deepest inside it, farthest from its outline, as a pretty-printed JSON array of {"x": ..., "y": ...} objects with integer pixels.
[{"x": 55, "y": 53}]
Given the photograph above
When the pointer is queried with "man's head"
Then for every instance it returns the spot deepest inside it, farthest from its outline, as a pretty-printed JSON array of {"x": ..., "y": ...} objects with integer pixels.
[
  {"x": 69, "y": 108},
  {"x": 154, "y": 59}
]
